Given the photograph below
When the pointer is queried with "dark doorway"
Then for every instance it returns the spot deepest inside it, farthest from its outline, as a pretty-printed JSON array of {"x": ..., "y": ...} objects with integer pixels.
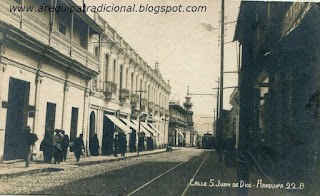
[
  {"x": 17, "y": 116},
  {"x": 92, "y": 125},
  {"x": 74, "y": 124},
  {"x": 50, "y": 119},
  {"x": 107, "y": 138}
]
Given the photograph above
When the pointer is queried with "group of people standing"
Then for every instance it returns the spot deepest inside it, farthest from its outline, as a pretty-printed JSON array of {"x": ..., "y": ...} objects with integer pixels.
[
  {"x": 57, "y": 146},
  {"x": 120, "y": 144}
]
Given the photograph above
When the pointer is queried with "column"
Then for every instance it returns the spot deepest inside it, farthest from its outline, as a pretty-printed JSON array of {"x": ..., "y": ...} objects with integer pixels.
[
  {"x": 38, "y": 81},
  {"x": 3, "y": 67},
  {"x": 65, "y": 103},
  {"x": 85, "y": 124}
]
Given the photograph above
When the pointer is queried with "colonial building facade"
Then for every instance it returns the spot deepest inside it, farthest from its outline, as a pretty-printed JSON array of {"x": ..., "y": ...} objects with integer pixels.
[
  {"x": 181, "y": 130},
  {"x": 129, "y": 86},
  {"x": 67, "y": 71},
  {"x": 279, "y": 91}
]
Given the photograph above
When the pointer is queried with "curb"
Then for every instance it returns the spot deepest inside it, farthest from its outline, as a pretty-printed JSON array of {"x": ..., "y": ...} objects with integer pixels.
[
  {"x": 118, "y": 159},
  {"x": 55, "y": 169},
  {"x": 34, "y": 171}
]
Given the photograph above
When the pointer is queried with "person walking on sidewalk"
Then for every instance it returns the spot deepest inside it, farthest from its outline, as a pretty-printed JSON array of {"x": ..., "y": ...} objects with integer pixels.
[
  {"x": 57, "y": 144},
  {"x": 65, "y": 145},
  {"x": 46, "y": 147},
  {"x": 31, "y": 138},
  {"x": 116, "y": 145},
  {"x": 78, "y": 147},
  {"x": 94, "y": 145}
]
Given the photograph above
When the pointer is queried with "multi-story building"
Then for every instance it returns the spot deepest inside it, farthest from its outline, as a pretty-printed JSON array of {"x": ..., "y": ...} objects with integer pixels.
[
  {"x": 181, "y": 130},
  {"x": 69, "y": 71},
  {"x": 279, "y": 91},
  {"x": 116, "y": 92}
]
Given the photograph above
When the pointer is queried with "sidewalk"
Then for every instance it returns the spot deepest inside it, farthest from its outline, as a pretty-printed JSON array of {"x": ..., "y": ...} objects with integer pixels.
[{"x": 17, "y": 168}]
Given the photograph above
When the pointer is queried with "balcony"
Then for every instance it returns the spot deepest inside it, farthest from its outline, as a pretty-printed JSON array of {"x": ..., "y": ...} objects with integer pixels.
[
  {"x": 167, "y": 113},
  {"x": 59, "y": 46},
  {"x": 144, "y": 103},
  {"x": 110, "y": 89},
  {"x": 124, "y": 94},
  {"x": 178, "y": 121},
  {"x": 162, "y": 111},
  {"x": 151, "y": 107},
  {"x": 156, "y": 109},
  {"x": 190, "y": 124},
  {"x": 134, "y": 100}
]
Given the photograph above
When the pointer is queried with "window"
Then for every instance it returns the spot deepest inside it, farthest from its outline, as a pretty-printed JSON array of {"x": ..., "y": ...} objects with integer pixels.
[
  {"x": 121, "y": 76},
  {"x": 74, "y": 123},
  {"x": 96, "y": 51},
  {"x": 127, "y": 72},
  {"x": 114, "y": 71},
  {"x": 62, "y": 28},
  {"x": 132, "y": 83},
  {"x": 106, "y": 68}
]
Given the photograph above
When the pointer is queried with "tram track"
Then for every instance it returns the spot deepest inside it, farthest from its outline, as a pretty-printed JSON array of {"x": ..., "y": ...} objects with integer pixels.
[{"x": 181, "y": 170}]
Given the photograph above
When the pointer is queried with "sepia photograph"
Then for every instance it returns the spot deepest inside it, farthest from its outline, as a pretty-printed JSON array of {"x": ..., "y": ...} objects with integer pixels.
[{"x": 149, "y": 97}]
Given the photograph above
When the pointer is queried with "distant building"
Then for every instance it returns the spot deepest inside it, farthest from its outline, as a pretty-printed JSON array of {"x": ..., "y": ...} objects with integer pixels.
[{"x": 181, "y": 130}]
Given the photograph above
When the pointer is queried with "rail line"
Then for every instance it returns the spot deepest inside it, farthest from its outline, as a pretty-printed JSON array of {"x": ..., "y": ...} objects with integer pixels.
[{"x": 164, "y": 173}]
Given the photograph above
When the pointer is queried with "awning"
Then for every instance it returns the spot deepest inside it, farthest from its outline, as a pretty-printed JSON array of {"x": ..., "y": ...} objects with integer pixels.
[
  {"x": 119, "y": 124},
  {"x": 154, "y": 128},
  {"x": 147, "y": 133},
  {"x": 145, "y": 125},
  {"x": 180, "y": 132}
]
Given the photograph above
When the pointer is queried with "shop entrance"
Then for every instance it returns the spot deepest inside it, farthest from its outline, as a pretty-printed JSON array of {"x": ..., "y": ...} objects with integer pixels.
[
  {"x": 107, "y": 137},
  {"x": 17, "y": 116}
]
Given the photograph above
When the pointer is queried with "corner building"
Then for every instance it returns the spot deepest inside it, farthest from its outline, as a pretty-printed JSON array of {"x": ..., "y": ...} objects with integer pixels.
[{"x": 54, "y": 75}]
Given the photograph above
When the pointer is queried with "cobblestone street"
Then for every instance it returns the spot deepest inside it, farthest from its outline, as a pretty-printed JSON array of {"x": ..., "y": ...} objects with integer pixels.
[
  {"x": 42, "y": 181},
  {"x": 168, "y": 173}
]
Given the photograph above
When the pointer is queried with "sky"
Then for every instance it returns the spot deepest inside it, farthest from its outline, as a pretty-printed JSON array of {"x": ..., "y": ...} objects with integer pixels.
[{"x": 188, "y": 54}]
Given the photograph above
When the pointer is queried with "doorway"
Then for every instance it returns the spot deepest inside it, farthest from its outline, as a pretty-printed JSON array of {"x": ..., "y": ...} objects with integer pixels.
[
  {"x": 92, "y": 125},
  {"x": 107, "y": 137},
  {"x": 17, "y": 117}
]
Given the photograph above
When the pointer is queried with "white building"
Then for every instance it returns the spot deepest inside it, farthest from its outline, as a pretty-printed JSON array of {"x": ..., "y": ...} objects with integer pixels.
[{"x": 62, "y": 71}]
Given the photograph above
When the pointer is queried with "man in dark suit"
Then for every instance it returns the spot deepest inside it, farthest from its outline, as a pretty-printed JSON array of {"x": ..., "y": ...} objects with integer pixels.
[{"x": 65, "y": 145}]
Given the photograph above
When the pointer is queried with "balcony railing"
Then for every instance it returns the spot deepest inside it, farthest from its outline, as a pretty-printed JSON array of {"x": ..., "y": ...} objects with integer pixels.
[
  {"x": 151, "y": 107},
  {"x": 190, "y": 124},
  {"x": 144, "y": 103},
  {"x": 167, "y": 113},
  {"x": 110, "y": 89},
  {"x": 178, "y": 121},
  {"x": 156, "y": 109},
  {"x": 33, "y": 26},
  {"x": 134, "y": 100},
  {"x": 124, "y": 94},
  {"x": 162, "y": 111}
]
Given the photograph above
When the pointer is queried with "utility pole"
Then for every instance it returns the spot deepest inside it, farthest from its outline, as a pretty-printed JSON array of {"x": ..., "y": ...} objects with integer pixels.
[
  {"x": 218, "y": 96},
  {"x": 221, "y": 57},
  {"x": 140, "y": 91}
]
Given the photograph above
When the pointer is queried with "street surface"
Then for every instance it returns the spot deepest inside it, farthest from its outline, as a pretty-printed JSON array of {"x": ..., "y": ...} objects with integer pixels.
[{"x": 182, "y": 172}]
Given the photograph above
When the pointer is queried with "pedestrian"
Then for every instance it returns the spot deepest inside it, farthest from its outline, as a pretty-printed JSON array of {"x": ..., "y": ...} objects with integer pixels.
[
  {"x": 57, "y": 144},
  {"x": 94, "y": 145},
  {"x": 31, "y": 138},
  {"x": 122, "y": 144},
  {"x": 65, "y": 145},
  {"x": 116, "y": 145},
  {"x": 78, "y": 146},
  {"x": 46, "y": 147}
]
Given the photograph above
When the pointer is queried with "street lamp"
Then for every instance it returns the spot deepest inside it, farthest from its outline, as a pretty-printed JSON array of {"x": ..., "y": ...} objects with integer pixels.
[{"x": 139, "y": 133}]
